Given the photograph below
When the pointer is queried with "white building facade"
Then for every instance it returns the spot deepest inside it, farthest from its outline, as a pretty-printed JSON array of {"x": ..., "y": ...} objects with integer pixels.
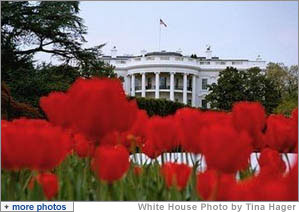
[{"x": 172, "y": 76}]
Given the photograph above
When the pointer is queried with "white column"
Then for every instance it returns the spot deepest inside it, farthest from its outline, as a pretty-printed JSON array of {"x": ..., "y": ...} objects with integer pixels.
[
  {"x": 127, "y": 85},
  {"x": 171, "y": 96},
  {"x": 143, "y": 85},
  {"x": 185, "y": 89},
  {"x": 157, "y": 85},
  {"x": 133, "y": 85},
  {"x": 193, "y": 90}
]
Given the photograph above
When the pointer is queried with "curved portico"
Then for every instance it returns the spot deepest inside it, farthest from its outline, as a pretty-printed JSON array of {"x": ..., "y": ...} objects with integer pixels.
[
  {"x": 172, "y": 76},
  {"x": 175, "y": 85}
]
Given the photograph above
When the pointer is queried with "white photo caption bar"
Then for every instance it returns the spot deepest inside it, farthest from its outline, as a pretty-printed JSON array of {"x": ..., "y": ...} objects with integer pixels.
[
  {"x": 37, "y": 206},
  {"x": 177, "y": 206},
  {"x": 166, "y": 206}
]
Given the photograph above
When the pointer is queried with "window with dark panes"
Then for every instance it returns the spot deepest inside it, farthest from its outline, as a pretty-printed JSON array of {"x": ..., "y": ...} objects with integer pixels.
[{"x": 204, "y": 84}]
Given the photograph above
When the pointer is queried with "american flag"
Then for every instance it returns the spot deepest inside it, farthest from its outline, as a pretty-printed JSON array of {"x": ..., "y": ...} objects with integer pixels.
[{"x": 162, "y": 22}]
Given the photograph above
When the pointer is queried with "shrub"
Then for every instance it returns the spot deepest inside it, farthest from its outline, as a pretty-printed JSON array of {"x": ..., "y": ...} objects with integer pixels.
[{"x": 161, "y": 107}]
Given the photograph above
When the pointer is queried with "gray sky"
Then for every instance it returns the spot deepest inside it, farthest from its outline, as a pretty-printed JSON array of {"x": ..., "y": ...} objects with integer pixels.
[{"x": 233, "y": 29}]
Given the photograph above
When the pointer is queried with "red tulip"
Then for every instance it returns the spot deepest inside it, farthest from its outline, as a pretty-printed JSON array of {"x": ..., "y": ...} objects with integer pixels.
[
  {"x": 33, "y": 144},
  {"x": 190, "y": 123},
  {"x": 294, "y": 135},
  {"x": 150, "y": 150},
  {"x": 123, "y": 138},
  {"x": 225, "y": 149},
  {"x": 112, "y": 138},
  {"x": 273, "y": 190},
  {"x": 162, "y": 132},
  {"x": 207, "y": 184},
  {"x": 265, "y": 187},
  {"x": 176, "y": 175},
  {"x": 92, "y": 107},
  {"x": 210, "y": 118},
  {"x": 111, "y": 162},
  {"x": 281, "y": 133},
  {"x": 279, "y": 188},
  {"x": 49, "y": 183},
  {"x": 245, "y": 190},
  {"x": 295, "y": 115},
  {"x": 271, "y": 163},
  {"x": 212, "y": 185},
  {"x": 138, "y": 131},
  {"x": 82, "y": 146},
  {"x": 291, "y": 181},
  {"x": 250, "y": 117}
]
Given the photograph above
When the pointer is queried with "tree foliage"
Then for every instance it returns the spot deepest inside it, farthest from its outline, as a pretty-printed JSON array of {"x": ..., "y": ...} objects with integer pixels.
[
  {"x": 11, "y": 109},
  {"x": 250, "y": 85},
  {"x": 28, "y": 85},
  {"x": 48, "y": 27},
  {"x": 286, "y": 80},
  {"x": 53, "y": 28},
  {"x": 286, "y": 106}
]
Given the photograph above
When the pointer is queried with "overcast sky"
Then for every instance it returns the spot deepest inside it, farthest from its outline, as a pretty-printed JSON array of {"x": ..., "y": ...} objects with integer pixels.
[{"x": 240, "y": 30}]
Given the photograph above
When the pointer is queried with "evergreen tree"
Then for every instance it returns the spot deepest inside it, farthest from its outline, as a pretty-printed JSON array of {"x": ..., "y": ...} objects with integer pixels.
[
  {"x": 54, "y": 28},
  {"x": 250, "y": 85}
]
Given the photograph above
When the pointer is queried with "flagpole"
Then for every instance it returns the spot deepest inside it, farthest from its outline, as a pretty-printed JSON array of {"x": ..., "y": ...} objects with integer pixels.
[{"x": 159, "y": 34}]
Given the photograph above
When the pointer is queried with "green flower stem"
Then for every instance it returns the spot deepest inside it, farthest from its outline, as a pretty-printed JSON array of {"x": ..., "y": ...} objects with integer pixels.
[{"x": 288, "y": 161}]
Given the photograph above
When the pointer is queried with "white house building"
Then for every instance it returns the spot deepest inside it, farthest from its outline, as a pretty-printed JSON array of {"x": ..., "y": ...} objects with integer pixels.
[{"x": 171, "y": 75}]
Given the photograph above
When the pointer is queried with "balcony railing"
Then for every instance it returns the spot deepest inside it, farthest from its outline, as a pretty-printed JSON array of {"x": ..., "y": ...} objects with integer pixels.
[
  {"x": 191, "y": 61},
  {"x": 164, "y": 87},
  {"x": 153, "y": 87}
]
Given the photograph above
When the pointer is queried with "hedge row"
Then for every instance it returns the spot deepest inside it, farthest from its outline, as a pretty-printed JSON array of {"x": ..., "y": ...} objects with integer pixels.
[{"x": 161, "y": 107}]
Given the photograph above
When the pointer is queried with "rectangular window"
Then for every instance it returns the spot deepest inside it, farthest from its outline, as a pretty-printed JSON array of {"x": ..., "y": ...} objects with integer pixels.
[
  {"x": 149, "y": 83},
  {"x": 189, "y": 101},
  {"x": 204, "y": 84},
  {"x": 189, "y": 84},
  {"x": 177, "y": 83},
  {"x": 204, "y": 104},
  {"x": 137, "y": 84},
  {"x": 163, "y": 83}
]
